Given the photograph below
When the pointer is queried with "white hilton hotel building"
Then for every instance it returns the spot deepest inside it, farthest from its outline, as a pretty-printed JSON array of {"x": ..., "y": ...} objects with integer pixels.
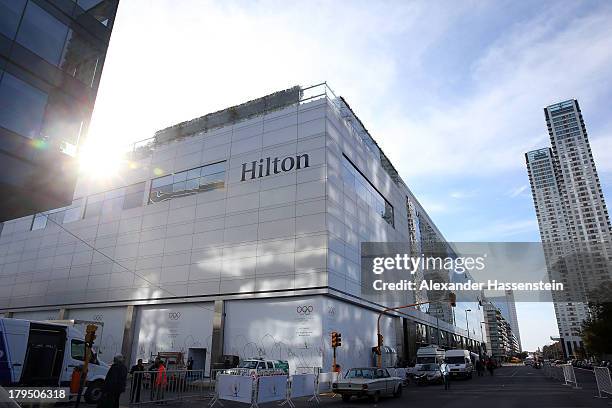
[{"x": 237, "y": 233}]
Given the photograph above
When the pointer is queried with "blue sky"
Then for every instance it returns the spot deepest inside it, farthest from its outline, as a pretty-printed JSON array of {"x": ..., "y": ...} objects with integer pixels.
[{"x": 452, "y": 91}]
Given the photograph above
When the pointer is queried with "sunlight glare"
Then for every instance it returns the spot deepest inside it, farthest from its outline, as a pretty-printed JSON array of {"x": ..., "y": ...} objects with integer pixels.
[{"x": 100, "y": 160}]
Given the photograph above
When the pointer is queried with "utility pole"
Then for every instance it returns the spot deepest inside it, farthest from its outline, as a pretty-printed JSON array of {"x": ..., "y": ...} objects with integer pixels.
[
  {"x": 467, "y": 322},
  {"x": 90, "y": 336}
]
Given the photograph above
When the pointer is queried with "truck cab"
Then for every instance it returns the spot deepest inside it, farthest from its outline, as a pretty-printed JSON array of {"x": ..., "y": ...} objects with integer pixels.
[{"x": 41, "y": 354}]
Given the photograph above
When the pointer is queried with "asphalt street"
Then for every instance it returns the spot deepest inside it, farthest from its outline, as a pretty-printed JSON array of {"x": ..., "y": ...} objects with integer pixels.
[{"x": 509, "y": 387}]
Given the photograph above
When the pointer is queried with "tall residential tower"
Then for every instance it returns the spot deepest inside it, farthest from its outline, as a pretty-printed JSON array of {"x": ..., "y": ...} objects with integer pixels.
[{"x": 572, "y": 216}]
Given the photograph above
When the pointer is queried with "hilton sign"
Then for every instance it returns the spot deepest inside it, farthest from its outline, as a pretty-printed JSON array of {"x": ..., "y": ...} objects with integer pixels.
[{"x": 267, "y": 166}]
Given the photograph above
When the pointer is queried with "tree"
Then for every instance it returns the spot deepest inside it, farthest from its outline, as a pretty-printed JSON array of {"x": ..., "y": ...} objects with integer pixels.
[{"x": 597, "y": 330}]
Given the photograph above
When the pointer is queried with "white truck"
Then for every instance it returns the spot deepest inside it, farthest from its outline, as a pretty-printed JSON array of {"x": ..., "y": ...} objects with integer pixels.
[
  {"x": 40, "y": 354},
  {"x": 460, "y": 363}
]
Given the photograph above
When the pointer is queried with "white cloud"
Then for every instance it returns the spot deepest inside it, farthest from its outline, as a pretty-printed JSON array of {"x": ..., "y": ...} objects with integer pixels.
[
  {"x": 488, "y": 131},
  {"x": 502, "y": 230},
  {"x": 517, "y": 191}
]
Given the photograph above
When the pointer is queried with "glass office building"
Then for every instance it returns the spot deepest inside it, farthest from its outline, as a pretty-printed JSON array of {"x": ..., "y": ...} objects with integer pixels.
[{"x": 51, "y": 58}]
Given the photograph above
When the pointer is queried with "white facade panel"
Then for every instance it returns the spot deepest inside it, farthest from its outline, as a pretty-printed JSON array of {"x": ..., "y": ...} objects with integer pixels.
[{"x": 176, "y": 327}]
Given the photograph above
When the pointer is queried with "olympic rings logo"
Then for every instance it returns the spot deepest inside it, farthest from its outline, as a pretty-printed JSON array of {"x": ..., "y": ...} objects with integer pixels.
[
  {"x": 304, "y": 310},
  {"x": 174, "y": 315}
]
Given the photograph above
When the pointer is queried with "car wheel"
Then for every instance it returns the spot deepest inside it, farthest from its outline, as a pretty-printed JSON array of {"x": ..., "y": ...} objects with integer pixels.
[
  {"x": 398, "y": 392},
  {"x": 93, "y": 395},
  {"x": 346, "y": 398},
  {"x": 375, "y": 398},
  {"x": 470, "y": 375}
]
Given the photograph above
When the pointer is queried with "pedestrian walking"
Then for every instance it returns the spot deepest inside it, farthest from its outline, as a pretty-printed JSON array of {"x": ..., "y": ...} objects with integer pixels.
[
  {"x": 114, "y": 384},
  {"x": 490, "y": 366},
  {"x": 444, "y": 370},
  {"x": 151, "y": 384},
  {"x": 479, "y": 368},
  {"x": 137, "y": 372}
]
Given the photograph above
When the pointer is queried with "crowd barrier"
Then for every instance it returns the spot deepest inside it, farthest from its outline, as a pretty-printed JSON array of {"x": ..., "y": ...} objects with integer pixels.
[
  {"x": 569, "y": 375},
  {"x": 147, "y": 387},
  {"x": 603, "y": 380},
  {"x": 565, "y": 373}
]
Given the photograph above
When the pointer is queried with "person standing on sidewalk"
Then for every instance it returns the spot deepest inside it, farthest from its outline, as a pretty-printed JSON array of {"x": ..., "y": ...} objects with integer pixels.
[
  {"x": 137, "y": 372},
  {"x": 161, "y": 381},
  {"x": 114, "y": 384}
]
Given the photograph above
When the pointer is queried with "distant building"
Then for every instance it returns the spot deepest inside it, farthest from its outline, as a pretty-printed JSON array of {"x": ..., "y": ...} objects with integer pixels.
[
  {"x": 572, "y": 216},
  {"x": 51, "y": 58},
  {"x": 507, "y": 307},
  {"x": 502, "y": 342}
]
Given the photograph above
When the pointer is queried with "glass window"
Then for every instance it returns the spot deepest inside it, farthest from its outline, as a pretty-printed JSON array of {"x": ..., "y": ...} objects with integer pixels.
[
  {"x": 94, "y": 205},
  {"x": 56, "y": 216},
  {"x": 355, "y": 181},
  {"x": 162, "y": 181},
  {"x": 188, "y": 182},
  {"x": 133, "y": 196},
  {"x": 178, "y": 177},
  {"x": 178, "y": 187},
  {"x": 39, "y": 222},
  {"x": 22, "y": 106},
  {"x": 193, "y": 184},
  {"x": 42, "y": 33},
  {"x": 194, "y": 174},
  {"x": 10, "y": 14},
  {"x": 81, "y": 57},
  {"x": 213, "y": 168},
  {"x": 74, "y": 213},
  {"x": 77, "y": 350},
  {"x": 87, "y": 4}
]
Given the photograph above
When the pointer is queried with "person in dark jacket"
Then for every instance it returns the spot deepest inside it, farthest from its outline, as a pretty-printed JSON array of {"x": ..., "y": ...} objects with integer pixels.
[
  {"x": 114, "y": 384},
  {"x": 479, "y": 367},
  {"x": 137, "y": 372}
]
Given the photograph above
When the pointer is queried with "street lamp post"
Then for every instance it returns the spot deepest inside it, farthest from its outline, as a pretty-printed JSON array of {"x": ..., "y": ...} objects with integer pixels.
[
  {"x": 467, "y": 323},
  {"x": 482, "y": 335}
]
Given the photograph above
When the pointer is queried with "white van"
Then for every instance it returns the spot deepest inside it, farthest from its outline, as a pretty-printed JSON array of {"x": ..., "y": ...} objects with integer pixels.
[
  {"x": 429, "y": 355},
  {"x": 40, "y": 354},
  {"x": 459, "y": 363}
]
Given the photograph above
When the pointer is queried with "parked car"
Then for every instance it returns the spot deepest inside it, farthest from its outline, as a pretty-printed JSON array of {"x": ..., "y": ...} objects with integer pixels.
[
  {"x": 428, "y": 374},
  {"x": 369, "y": 382}
]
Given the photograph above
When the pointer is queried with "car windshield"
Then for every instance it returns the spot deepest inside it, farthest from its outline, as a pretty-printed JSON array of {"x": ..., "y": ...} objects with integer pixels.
[
  {"x": 429, "y": 367},
  {"x": 360, "y": 373},
  {"x": 455, "y": 360},
  {"x": 248, "y": 364},
  {"x": 425, "y": 360}
]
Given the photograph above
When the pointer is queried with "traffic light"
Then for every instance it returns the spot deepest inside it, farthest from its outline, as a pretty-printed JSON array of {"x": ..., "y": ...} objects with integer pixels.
[
  {"x": 90, "y": 334},
  {"x": 336, "y": 339},
  {"x": 452, "y": 299}
]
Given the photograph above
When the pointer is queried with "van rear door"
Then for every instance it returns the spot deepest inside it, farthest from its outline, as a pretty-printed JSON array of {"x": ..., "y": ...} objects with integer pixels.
[
  {"x": 45, "y": 355},
  {"x": 13, "y": 341}
]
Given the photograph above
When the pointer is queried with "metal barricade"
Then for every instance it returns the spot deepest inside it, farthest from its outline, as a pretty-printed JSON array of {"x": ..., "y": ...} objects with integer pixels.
[
  {"x": 569, "y": 375},
  {"x": 604, "y": 382},
  {"x": 150, "y": 387}
]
